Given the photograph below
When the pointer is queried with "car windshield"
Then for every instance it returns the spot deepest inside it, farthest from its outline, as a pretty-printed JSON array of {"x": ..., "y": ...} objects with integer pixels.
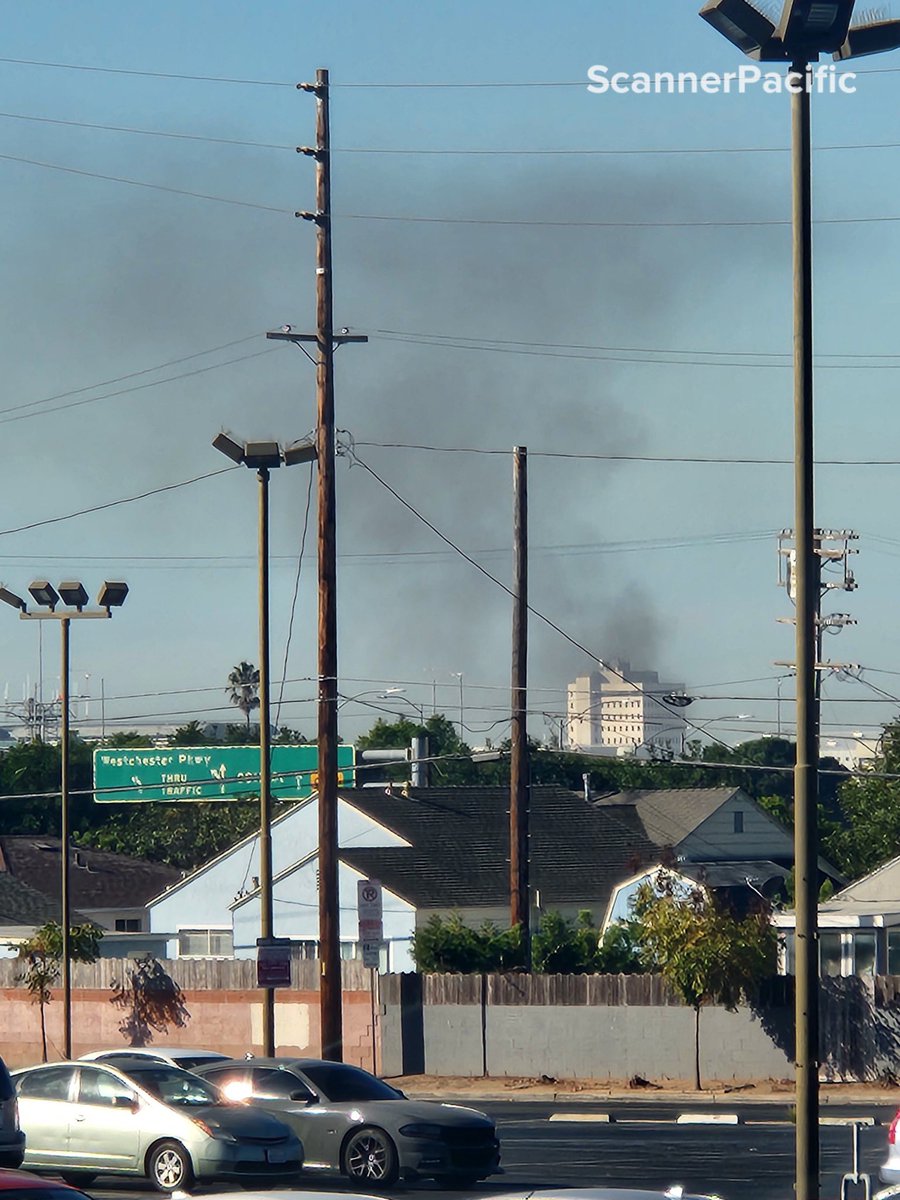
[
  {"x": 342, "y": 1084},
  {"x": 172, "y": 1085},
  {"x": 189, "y": 1061}
]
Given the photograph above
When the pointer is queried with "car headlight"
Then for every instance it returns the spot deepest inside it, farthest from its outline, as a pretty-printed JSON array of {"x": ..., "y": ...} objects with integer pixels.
[
  {"x": 433, "y": 1132},
  {"x": 214, "y": 1130}
]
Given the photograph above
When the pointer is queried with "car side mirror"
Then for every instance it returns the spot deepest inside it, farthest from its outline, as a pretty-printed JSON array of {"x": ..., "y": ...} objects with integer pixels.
[{"x": 304, "y": 1096}]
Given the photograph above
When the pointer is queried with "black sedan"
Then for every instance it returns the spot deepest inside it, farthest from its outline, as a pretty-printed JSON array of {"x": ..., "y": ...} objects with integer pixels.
[{"x": 353, "y": 1123}]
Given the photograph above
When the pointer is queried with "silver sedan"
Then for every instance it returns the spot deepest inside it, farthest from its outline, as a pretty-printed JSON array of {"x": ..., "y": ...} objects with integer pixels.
[{"x": 82, "y": 1119}]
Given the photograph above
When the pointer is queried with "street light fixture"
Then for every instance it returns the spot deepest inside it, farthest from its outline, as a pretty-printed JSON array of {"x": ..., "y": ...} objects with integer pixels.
[
  {"x": 264, "y": 456},
  {"x": 74, "y": 596},
  {"x": 807, "y": 29}
]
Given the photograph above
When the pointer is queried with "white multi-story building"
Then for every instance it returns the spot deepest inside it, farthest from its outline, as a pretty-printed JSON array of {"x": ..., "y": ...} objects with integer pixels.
[{"x": 616, "y": 710}]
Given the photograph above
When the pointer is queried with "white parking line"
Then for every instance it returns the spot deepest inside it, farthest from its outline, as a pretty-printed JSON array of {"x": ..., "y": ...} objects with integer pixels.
[
  {"x": 707, "y": 1118},
  {"x": 595, "y": 1118}
]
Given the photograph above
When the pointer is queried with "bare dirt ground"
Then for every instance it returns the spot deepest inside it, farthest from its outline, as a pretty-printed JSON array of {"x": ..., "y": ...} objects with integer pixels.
[{"x": 546, "y": 1088}]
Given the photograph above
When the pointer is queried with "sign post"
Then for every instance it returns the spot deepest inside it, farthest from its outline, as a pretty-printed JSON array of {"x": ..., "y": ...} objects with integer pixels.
[
  {"x": 273, "y": 962},
  {"x": 371, "y": 935}
]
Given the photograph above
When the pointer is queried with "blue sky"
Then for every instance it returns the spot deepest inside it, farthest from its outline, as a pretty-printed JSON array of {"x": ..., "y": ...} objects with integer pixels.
[{"x": 671, "y": 564}]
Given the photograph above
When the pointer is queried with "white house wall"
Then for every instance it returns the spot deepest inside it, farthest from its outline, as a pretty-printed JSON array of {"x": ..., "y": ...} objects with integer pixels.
[
  {"x": 715, "y": 839},
  {"x": 296, "y": 914},
  {"x": 204, "y": 899}
]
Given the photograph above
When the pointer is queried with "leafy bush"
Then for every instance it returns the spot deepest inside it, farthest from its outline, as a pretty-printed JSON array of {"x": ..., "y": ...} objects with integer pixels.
[{"x": 559, "y": 947}]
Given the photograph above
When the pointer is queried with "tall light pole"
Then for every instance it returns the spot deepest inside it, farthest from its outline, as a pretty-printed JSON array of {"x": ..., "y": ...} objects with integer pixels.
[
  {"x": 74, "y": 596},
  {"x": 807, "y": 29},
  {"x": 459, "y": 675},
  {"x": 264, "y": 457}
]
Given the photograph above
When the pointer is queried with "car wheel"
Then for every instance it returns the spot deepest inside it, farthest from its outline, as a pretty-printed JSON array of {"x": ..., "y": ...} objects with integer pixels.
[
  {"x": 371, "y": 1157},
  {"x": 78, "y": 1179},
  {"x": 169, "y": 1167}
]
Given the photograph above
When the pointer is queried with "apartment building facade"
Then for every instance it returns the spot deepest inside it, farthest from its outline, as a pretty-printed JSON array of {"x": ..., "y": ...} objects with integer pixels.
[{"x": 618, "y": 711}]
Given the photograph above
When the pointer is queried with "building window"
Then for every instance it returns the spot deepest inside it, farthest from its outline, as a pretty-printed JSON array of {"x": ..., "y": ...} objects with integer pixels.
[
  {"x": 893, "y": 949},
  {"x": 205, "y": 943},
  {"x": 830, "y": 953},
  {"x": 864, "y": 952},
  {"x": 128, "y": 924},
  {"x": 738, "y": 821}
]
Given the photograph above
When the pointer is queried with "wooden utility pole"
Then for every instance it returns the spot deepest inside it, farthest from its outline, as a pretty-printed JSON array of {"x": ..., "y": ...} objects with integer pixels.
[
  {"x": 325, "y": 339},
  {"x": 519, "y": 906},
  {"x": 329, "y": 906}
]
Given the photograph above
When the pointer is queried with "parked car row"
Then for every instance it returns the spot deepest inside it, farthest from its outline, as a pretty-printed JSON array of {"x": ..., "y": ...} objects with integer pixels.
[{"x": 250, "y": 1121}]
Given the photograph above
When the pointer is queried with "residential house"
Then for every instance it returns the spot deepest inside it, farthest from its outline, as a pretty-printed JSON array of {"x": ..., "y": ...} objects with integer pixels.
[
  {"x": 859, "y": 927},
  {"x": 23, "y": 910},
  {"x": 109, "y": 889},
  {"x": 434, "y": 850}
]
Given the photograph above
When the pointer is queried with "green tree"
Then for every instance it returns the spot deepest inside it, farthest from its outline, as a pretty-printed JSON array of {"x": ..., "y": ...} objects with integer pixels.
[
  {"x": 449, "y": 945},
  {"x": 243, "y": 689},
  {"x": 151, "y": 1000},
  {"x": 453, "y": 764},
  {"x": 706, "y": 953},
  {"x": 183, "y": 835},
  {"x": 869, "y": 832},
  {"x": 42, "y": 956}
]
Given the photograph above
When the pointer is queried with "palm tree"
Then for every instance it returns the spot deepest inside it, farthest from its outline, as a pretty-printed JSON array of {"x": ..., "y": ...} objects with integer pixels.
[{"x": 243, "y": 689}]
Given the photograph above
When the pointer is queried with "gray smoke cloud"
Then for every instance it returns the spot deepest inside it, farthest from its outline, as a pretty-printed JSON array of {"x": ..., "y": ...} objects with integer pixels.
[{"x": 125, "y": 279}]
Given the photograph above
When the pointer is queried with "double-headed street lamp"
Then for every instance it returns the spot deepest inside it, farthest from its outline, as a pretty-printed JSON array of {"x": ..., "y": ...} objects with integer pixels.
[
  {"x": 264, "y": 457},
  {"x": 806, "y": 29},
  {"x": 74, "y": 596}
]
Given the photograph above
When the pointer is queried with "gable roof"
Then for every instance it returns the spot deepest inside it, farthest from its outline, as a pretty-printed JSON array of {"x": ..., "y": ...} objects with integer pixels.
[
  {"x": 669, "y": 815},
  {"x": 97, "y": 878},
  {"x": 459, "y": 845},
  {"x": 877, "y": 887},
  {"x": 22, "y": 906}
]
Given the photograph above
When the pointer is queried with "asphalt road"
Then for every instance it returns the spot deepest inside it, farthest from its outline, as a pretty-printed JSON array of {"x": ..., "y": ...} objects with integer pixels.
[{"x": 752, "y": 1161}]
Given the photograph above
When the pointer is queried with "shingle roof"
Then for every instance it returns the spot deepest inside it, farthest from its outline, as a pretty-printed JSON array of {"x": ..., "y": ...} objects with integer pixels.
[
  {"x": 23, "y": 906},
  {"x": 97, "y": 878},
  {"x": 459, "y": 852},
  {"x": 669, "y": 815}
]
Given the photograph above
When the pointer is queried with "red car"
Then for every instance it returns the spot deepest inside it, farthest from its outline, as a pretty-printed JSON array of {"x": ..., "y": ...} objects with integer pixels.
[{"x": 21, "y": 1185}]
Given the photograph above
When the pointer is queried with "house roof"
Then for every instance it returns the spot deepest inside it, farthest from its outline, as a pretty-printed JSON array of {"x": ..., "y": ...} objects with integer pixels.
[
  {"x": 459, "y": 845},
  {"x": 97, "y": 878},
  {"x": 879, "y": 886},
  {"x": 22, "y": 906},
  {"x": 669, "y": 815}
]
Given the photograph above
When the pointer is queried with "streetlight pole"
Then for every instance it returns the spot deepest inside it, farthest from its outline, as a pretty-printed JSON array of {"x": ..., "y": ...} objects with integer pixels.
[
  {"x": 805, "y": 31},
  {"x": 264, "y": 456},
  {"x": 64, "y": 839},
  {"x": 267, "y": 901},
  {"x": 75, "y": 597},
  {"x": 459, "y": 675}
]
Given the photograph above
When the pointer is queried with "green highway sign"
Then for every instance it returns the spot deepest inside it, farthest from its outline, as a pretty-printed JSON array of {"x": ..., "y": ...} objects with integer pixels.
[{"x": 183, "y": 773}]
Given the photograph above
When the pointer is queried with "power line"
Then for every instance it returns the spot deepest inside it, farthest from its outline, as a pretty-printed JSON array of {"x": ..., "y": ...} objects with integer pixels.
[
  {"x": 463, "y": 341},
  {"x": 160, "y": 133},
  {"x": 92, "y": 387},
  {"x": 139, "y": 387},
  {"x": 156, "y": 187},
  {"x": 699, "y": 459},
  {"x": 31, "y": 62},
  {"x": 169, "y": 487},
  {"x": 608, "y": 151},
  {"x": 406, "y": 218}
]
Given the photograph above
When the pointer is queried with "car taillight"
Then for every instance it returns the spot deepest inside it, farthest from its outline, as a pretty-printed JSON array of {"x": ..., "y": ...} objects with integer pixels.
[{"x": 892, "y": 1132}]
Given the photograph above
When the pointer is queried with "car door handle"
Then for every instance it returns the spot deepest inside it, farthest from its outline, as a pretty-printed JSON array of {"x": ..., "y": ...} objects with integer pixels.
[{"x": 79, "y": 1116}]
